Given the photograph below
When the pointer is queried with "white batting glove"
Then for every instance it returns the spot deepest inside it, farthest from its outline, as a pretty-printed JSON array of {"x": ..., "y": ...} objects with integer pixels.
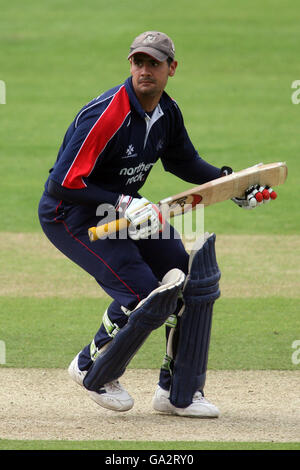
[
  {"x": 255, "y": 196},
  {"x": 144, "y": 217}
]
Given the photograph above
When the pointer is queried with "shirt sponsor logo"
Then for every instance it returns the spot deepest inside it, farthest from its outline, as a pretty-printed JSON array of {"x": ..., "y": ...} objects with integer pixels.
[{"x": 136, "y": 173}]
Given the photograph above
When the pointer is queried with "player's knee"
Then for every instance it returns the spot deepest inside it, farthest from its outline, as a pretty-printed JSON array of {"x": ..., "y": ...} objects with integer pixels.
[
  {"x": 148, "y": 315},
  {"x": 149, "y": 285}
]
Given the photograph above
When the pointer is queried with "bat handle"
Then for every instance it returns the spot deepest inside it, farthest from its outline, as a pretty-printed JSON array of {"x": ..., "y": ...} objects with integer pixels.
[{"x": 107, "y": 229}]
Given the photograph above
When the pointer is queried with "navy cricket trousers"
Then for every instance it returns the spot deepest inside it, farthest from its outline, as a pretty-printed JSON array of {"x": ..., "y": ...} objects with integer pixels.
[{"x": 126, "y": 270}]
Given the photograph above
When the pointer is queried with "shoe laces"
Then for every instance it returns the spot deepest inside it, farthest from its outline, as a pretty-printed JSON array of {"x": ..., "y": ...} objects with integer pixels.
[
  {"x": 114, "y": 386},
  {"x": 198, "y": 396}
]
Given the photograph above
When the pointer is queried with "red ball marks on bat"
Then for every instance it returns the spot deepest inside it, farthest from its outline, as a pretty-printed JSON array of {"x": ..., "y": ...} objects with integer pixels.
[
  {"x": 259, "y": 197},
  {"x": 266, "y": 194}
]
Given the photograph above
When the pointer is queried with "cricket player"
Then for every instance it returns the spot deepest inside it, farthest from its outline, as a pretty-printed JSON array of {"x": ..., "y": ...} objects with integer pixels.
[{"x": 105, "y": 158}]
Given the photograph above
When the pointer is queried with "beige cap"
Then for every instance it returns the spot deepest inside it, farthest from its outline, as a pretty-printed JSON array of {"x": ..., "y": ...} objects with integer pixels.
[{"x": 157, "y": 45}]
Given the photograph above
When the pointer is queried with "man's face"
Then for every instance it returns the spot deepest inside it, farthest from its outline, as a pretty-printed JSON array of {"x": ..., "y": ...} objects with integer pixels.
[{"x": 149, "y": 77}]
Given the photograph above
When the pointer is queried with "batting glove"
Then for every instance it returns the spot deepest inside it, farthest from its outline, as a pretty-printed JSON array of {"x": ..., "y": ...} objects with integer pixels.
[
  {"x": 144, "y": 217},
  {"x": 255, "y": 196}
]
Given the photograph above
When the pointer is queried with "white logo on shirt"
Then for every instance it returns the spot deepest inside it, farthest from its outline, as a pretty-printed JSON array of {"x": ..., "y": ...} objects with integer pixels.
[
  {"x": 130, "y": 150},
  {"x": 130, "y": 153}
]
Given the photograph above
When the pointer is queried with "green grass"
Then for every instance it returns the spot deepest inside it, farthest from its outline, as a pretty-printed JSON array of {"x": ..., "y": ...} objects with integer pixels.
[
  {"x": 246, "y": 334},
  {"x": 150, "y": 445}
]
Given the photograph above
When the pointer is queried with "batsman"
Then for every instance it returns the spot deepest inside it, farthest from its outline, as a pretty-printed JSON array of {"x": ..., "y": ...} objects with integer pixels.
[{"x": 104, "y": 160}]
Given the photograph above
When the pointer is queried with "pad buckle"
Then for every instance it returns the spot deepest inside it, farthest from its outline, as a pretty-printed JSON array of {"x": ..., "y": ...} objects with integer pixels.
[
  {"x": 171, "y": 321},
  {"x": 111, "y": 328}
]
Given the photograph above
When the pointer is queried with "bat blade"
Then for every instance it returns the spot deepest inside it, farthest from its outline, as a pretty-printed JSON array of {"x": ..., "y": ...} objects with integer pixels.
[
  {"x": 227, "y": 187},
  {"x": 218, "y": 190}
]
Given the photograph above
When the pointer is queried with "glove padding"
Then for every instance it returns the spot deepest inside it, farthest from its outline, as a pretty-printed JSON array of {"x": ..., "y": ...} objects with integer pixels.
[
  {"x": 144, "y": 217},
  {"x": 255, "y": 196}
]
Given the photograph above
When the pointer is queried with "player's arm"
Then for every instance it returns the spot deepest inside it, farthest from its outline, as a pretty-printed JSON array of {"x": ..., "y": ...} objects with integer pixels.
[
  {"x": 91, "y": 195},
  {"x": 69, "y": 179},
  {"x": 182, "y": 159},
  {"x": 193, "y": 170},
  {"x": 69, "y": 182}
]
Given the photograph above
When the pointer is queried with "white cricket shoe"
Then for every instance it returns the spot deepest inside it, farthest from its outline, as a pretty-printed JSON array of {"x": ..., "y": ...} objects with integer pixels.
[
  {"x": 112, "y": 395},
  {"x": 75, "y": 373},
  {"x": 199, "y": 408}
]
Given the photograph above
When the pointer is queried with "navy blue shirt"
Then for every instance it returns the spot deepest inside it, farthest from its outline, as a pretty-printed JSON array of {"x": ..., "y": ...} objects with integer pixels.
[{"x": 112, "y": 145}]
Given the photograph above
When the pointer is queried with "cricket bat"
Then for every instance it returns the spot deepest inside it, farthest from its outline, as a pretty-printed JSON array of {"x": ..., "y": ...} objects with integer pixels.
[{"x": 218, "y": 190}]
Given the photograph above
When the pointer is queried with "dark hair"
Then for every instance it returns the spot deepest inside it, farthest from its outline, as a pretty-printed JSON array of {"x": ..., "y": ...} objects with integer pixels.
[{"x": 170, "y": 60}]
